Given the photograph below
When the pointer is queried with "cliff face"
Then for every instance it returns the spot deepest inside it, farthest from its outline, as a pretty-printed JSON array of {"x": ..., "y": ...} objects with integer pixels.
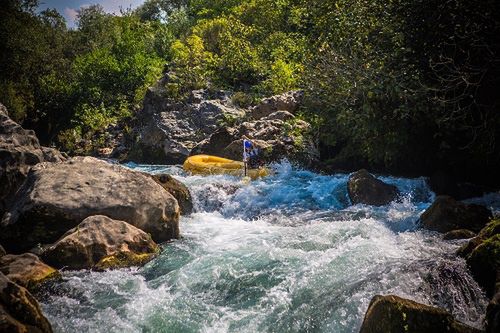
[
  {"x": 168, "y": 131},
  {"x": 19, "y": 151}
]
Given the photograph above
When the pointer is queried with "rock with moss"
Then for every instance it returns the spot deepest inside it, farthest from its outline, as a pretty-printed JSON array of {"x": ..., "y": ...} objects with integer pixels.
[
  {"x": 393, "y": 314},
  {"x": 484, "y": 263},
  {"x": 459, "y": 234},
  {"x": 27, "y": 270},
  {"x": 57, "y": 197},
  {"x": 19, "y": 311},
  {"x": 101, "y": 243},
  {"x": 491, "y": 229},
  {"x": 178, "y": 190},
  {"x": 446, "y": 214},
  {"x": 366, "y": 189}
]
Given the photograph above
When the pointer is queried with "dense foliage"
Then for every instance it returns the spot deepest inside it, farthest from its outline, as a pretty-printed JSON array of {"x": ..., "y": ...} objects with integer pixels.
[{"x": 400, "y": 85}]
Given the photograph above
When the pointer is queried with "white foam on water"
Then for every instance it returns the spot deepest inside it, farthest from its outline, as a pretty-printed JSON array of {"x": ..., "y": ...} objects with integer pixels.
[{"x": 283, "y": 254}]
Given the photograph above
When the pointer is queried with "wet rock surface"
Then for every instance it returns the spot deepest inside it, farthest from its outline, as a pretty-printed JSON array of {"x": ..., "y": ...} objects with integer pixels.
[
  {"x": 19, "y": 311},
  {"x": 27, "y": 270},
  {"x": 366, "y": 189},
  {"x": 446, "y": 214},
  {"x": 393, "y": 314}
]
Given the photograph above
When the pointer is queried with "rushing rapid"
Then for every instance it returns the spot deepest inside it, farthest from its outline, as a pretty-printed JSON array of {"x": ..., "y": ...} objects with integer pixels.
[{"x": 286, "y": 253}]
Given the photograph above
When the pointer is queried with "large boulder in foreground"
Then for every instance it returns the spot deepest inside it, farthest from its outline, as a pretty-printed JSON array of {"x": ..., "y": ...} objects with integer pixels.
[
  {"x": 178, "y": 190},
  {"x": 19, "y": 311},
  {"x": 27, "y": 270},
  {"x": 393, "y": 314},
  {"x": 57, "y": 197},
  {"x": 446, "y": 214},
  {"x": 101, "y": 243},
  {"x": 19, "y": 151},
  {"x": 366, "y": 189}
]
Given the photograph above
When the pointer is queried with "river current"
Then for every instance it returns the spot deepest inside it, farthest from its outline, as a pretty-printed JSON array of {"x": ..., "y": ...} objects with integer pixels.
[{"x": 287, "y": 253}]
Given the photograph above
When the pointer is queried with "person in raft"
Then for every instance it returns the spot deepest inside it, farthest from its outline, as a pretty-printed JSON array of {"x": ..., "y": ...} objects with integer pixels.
[{"x": 250, "y": 154}]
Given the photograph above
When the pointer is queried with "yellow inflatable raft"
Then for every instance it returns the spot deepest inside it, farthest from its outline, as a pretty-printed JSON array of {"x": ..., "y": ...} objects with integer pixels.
[{"x": 211, "y": 165}]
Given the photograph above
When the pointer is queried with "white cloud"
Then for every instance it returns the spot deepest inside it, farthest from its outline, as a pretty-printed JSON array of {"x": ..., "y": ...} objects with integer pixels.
[
  {"x": 70, "y": 15},
  {"x": 113, "y": 6}
]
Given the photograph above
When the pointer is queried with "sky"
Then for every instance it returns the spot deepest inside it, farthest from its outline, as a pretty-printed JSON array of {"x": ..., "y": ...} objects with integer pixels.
[{"x": 69, "y": 8}]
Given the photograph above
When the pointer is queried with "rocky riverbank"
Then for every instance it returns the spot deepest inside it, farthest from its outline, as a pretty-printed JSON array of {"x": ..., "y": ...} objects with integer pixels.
[
  {"x": 74, "y": 213},
  {"x": 167, "y": 130},
  {"x": 85, "y": 213}
]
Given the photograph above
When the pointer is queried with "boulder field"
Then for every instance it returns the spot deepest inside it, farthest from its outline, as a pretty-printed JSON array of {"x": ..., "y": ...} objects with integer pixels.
[
  {"x": 52, "y": 205},
  {"x": 58, "y": 196}
]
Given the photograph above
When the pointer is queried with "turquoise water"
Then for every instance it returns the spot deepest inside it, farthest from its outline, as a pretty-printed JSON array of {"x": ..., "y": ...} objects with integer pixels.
[{"x": 287, "y": 253}]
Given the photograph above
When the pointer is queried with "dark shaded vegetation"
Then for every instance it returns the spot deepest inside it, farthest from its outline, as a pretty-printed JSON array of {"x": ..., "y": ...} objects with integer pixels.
[{"x": 403, "y": 86}]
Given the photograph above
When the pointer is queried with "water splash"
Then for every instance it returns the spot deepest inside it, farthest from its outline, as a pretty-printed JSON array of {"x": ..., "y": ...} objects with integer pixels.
[{"x": 287, "y": 253}]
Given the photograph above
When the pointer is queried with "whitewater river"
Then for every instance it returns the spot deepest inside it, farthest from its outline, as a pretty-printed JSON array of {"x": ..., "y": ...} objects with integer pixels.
[{"x": 288, "y": 253}]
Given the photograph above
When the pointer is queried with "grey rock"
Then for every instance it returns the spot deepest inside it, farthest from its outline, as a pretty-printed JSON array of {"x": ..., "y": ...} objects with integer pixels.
[
  {"x": 289, "y": 101},
  {"x": 57, "y": 197},
  {"x": 19, "y": 151},
  {"x": 102, "y": 243}
]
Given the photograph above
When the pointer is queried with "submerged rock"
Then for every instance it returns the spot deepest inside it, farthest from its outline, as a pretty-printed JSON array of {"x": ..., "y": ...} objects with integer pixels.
[
  {"x": 393, "y": 314},
  {"x": 57, "y": 197},
  {"x": 446, "y": 214},
  {"x": 19, "y": 311},
  {"x": 100, "y": 242},
  {"x": 27, "y": 270},
  {"x": 366, "y": 189},
  {"x": 458, "y": 234},
  {"x": 178, "y": 190},
  {"x": 19, "y": 150},
  {"x": 2, "y": 251}
]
